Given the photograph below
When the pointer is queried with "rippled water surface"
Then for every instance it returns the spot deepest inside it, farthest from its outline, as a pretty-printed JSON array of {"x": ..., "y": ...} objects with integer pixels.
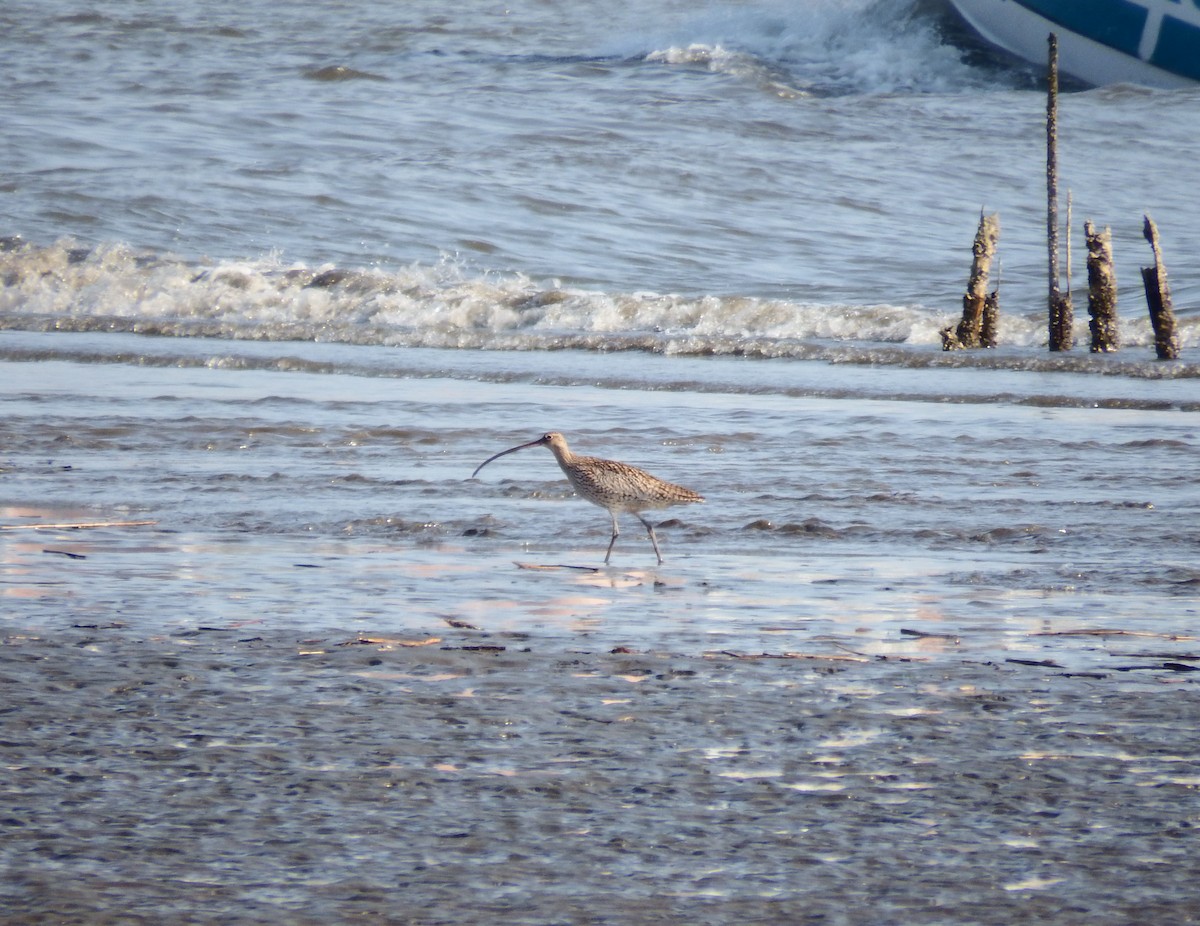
[
  {"x": 275, "y": 281},
  {"x": 824, "y": 483},
  {"x": 834, "y": 156}
]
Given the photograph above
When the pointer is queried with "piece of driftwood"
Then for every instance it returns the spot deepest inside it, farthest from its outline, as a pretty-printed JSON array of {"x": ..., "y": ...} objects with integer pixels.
[
  {"x": 389, "y": 642},
  {"x": 74, "y": 525},
  {"x": 1110, "y": 632},
  {"x": 928, "y": 635},
  {"x": 1102, "y": 290},
  {"x": 67, "y": 553},
  {"x": 968, "y": 334},
  {"x": 1061, "y": 311},
  {"x": 1158, "y": 298},
  {"x": 1170, "y": 666},
  {"x": 815, "y": 657},
  {"x": 551, "y": 566}
]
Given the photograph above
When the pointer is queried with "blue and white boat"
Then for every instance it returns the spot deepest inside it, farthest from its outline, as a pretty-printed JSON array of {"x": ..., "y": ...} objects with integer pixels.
[{"x": 1151, "y": 42}]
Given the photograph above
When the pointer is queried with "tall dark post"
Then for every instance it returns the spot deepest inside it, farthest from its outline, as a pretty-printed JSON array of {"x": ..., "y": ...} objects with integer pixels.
[{"x": 1060, "y": 309}]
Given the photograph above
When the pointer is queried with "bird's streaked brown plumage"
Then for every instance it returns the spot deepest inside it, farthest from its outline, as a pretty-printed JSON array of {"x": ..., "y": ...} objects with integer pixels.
[{"x": 615, "y": 487}]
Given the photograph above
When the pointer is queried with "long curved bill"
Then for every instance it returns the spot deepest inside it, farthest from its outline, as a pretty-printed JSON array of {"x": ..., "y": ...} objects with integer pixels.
[{"x": 532, "y": 443}]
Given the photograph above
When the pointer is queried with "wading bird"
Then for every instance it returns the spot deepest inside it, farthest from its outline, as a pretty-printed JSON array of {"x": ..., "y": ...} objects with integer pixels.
[{"x": 615, "y": 487}]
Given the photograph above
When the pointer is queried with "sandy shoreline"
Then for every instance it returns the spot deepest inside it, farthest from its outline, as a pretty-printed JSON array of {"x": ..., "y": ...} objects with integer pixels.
[
  {"x": 988, "y": 716},
  {"x": 244, "y": 776}
]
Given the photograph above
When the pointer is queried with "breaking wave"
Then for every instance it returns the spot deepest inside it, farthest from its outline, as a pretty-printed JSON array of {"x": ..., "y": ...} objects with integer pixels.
[{"x": 65, "y": 287}]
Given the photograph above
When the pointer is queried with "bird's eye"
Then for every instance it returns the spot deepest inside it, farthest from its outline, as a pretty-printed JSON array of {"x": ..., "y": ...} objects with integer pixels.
[{"x": 546, "y": 436}]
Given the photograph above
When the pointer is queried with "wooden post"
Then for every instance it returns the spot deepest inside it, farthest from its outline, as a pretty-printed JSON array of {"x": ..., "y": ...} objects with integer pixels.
[
  {"x": 1158, "y": 298},
  {"x": 975, "y": 315},
  {"x": 1102, "y": 290},
  {"x": 1067, "y": 247},
  {"x": 1062, "y": 316},
  {"x": 989, "y": 333}
]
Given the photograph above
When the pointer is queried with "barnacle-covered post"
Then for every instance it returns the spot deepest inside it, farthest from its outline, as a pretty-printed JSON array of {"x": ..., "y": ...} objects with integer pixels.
[
  {"x": 989, "y": 334},
  {"x": 980, "y": 310},
  {"x": 1158, "y": 298},
  {"x": 1062, "y": 314},
  {"x": 1102, "y": 290}
]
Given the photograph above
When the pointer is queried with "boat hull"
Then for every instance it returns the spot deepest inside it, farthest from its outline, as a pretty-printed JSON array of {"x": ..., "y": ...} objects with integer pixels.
[{"x": 1151, "y": 42}]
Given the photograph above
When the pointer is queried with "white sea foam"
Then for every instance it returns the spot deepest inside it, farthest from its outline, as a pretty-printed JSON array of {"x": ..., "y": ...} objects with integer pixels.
[
  {"x": 115, "y": 287},
  {"x": 823, "y": 46},
  {"x": 766, "y": 178}
]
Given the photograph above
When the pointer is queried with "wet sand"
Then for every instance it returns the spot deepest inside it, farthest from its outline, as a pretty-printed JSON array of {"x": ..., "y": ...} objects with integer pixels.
[
  {"x": 930, "y": 670},
  {"x": 451, "y": 775}
]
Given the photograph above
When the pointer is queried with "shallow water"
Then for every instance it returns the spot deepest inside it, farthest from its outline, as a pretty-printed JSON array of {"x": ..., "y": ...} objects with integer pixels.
[{"x": 827, "y": 501}]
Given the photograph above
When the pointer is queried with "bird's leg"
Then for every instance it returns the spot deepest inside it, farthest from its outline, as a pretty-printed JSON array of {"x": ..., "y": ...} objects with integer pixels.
[
  {"x": 653, "y": 539},
  {"x": 616, "y": 533}
]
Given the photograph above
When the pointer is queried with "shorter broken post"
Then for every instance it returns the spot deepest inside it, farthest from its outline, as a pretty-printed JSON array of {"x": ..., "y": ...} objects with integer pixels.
[
  {"x": 1102, "y": 290},
  {"x": 1158, "y": 298},
  {"x": 989, "y": 333},
  {"x": 980, "y": 310}
]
